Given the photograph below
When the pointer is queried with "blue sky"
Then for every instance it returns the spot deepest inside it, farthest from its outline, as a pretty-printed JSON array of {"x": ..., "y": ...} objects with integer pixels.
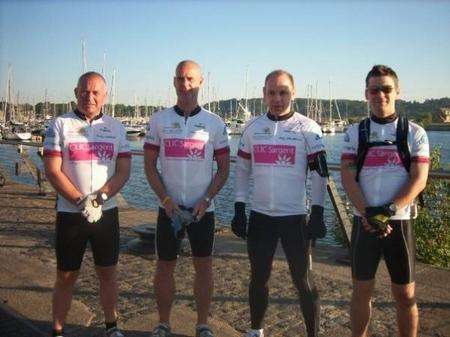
[{"x": 317, "y": 41}]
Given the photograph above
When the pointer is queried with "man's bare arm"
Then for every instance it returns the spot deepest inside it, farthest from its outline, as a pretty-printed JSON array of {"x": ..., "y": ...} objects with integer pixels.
[
  {"x": 120, "y": 177},
  {"x": 418, "y": 180},
  {"x": 351, "y": 186},
  {"x": 60, "y": 182}
]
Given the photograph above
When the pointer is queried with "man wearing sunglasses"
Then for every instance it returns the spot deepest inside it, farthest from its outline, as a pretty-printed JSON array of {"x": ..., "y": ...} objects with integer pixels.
[{"x": 382, "y": 179}]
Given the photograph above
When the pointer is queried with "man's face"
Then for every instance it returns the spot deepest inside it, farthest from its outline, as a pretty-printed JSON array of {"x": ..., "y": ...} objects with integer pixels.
[
  {"x": 187, "y": 81},
  {"x": 91, "y": 95},
  {"x": 278, "y": 94},
  {"x": 381, "y": 94}
]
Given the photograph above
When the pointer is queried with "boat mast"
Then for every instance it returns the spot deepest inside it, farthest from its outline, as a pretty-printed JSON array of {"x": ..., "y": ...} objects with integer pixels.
[
  {"x": 113, "y": 93},
  {"x": 83, "y": 57}
]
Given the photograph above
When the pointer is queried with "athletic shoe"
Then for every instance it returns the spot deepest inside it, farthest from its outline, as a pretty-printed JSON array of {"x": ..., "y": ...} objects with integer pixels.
[
  {"x": 161, "y": 330},
  {"x": 203, "y": 331},
  {"x": 254, "y": 333},
  {"x": 114, "y": 332}
]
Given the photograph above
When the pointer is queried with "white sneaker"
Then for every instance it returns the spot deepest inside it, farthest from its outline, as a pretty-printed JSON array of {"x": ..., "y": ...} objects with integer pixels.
[
  {"x": 161, "y": 330},
  {"x": 114, "y": 332},
  {"x": 255, "y": 333}
]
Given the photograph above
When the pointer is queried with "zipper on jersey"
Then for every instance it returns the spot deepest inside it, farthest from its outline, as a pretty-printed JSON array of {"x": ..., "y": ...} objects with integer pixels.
[
  {"x": 272, "y": 170},
  {"x": 184, "y": 163}
]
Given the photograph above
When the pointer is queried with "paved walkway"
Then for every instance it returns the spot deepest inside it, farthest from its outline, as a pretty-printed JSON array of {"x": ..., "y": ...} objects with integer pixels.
[{"x": 27, "y": 268}]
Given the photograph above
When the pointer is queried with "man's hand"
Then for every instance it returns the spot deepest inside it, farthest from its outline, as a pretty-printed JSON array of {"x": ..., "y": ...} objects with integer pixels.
[
  {"x": 239, "y": 222},
  {"x": 90, "y": 208},
  {"x": 378, "y": 232},
  {"x": 200, "y": 209},
  {"x": 316, "y": 225},
  {"x": 378, "y": 217},
  {"x": 170, "y": 207}
]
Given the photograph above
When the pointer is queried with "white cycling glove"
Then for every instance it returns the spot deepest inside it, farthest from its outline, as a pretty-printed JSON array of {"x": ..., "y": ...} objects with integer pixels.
[{"x": 90, "y": 208}]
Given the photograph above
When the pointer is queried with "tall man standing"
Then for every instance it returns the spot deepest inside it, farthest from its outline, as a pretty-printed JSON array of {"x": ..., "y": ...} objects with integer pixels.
[
  {"x": 187, "y": 139},
  {"x": 277, "y": 149},
  {"x": 384, "y": 167},
  {"x": 87, "y": 160}
]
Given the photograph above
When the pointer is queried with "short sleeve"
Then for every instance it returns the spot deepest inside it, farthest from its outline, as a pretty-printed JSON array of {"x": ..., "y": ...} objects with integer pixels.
[
  {"x": 124, "y": 145},
  {"x": 420, "y": 148},
  {"x": 53, "y": 140},
  {"x": 221, "y": 139},
  {"x": 244, "y": 149},
  {"x": 152, "y": 140},
  {"x": 314, "y": 139},
  {"x": 350, "y": 148}
]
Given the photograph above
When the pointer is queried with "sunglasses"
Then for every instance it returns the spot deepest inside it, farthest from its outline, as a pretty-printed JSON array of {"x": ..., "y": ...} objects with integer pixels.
[{"x": 387, "y": 89}]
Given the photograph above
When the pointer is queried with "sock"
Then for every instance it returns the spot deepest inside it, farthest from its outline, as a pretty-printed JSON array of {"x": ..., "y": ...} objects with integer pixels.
[
  {"x": 110, "y": 325},
  {"x": 202, "y": 326},
  {"x": 260, "y": 332},
  {"x": 57, "y": 332}
]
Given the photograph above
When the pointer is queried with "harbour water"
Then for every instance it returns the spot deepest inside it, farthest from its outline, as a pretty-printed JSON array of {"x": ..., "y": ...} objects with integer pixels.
[{"x": 138, "y": 193}]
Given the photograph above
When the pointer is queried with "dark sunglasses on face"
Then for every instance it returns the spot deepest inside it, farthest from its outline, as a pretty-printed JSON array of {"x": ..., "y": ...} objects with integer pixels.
[{"x": 387, "y": 89}]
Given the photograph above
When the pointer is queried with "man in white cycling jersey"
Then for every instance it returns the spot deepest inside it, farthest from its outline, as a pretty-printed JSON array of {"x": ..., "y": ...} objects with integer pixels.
[
  {"x": 277, "y": 149},
  {"x": 384, "y": 167},
  {"x": 187, "y": 139},
  {"x": 87, "y": 160}
]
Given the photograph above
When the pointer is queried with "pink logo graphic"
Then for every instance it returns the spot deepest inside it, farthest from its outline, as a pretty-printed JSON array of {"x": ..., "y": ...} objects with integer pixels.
[
  {"x": 282, "y": 155},
  {"x": 184, "y": 148},
  {"x": 382, "y": 157},
  {"x": 91, "y": 151}
]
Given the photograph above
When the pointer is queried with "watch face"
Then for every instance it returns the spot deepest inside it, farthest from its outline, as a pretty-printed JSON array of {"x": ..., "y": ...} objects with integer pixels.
[{"x": 104, "y": 196}]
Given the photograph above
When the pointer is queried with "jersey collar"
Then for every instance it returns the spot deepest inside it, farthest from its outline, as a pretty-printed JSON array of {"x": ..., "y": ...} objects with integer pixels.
[
  {"x": 384, "y": 120},
  {"x": 83, "y": 116},
  {"x": 191, "y": 114},
  {"x": 280, "y": 118}
]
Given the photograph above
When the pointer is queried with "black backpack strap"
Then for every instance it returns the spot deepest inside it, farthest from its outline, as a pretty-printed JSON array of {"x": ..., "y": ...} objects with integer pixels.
[
  {"x": 363, "y": 141},
  {"x": 402, "y": 141}
]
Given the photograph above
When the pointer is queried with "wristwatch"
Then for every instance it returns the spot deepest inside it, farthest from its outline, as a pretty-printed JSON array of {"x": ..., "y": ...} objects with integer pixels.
[
  {"x": 392, "y": 208},
  {"x": 102, "y": 197},
  {"x": 208, "y": 200}
]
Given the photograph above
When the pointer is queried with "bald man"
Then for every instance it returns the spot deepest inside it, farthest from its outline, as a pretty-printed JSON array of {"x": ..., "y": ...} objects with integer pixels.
[{"x": 186, "y": 139}]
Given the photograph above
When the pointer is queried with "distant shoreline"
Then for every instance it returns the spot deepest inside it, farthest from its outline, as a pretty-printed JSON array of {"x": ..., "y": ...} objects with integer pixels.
[{"x": 438, "y": 127}]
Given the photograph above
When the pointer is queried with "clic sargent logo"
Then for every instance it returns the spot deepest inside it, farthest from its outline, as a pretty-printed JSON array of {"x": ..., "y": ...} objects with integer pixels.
[
  {"x": 193, "y": 149},
  {"x": 280, "y": 155},
  {"x": 82, "y": 151}
]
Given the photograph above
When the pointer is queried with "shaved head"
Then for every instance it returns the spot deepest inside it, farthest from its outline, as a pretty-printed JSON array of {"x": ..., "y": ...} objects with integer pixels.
[
  {"x": 188, "y": 63},
  {"x": 90, "y": 74}
]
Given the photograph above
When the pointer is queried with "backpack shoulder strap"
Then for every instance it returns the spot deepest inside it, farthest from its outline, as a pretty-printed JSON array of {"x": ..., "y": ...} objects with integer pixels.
[
  {"x": 402, "y": 141},
  {"x": 363, "y": 141}
]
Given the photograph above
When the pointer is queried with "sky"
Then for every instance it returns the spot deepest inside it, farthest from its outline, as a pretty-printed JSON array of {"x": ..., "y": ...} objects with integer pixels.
[{"x": 328, "y": 44}]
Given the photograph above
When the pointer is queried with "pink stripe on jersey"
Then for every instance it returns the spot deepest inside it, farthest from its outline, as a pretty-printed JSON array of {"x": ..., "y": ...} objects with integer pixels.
[
  {"x": 382, "y": 157},
  {"x": 184, "y": 148},
  {"x": 420, "y": 159},
  {"x": 52, "y": 153},
  {"x": 82, "y": 151},
  {"x": 223, "y": 150},
  {"x": 153, "y": 147},
  {"x": 124, "y": 155},
  {"x": 244, "y": 154},
  {"x": 274, "y": 154},
  {"x": 348, "y": 156}
]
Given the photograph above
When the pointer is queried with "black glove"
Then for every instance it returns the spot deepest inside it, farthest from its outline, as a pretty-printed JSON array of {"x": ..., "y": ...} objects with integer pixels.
[
  {"x": 239, "y": 222},
  {"x": 316, "y": 226},
  {"x": 378, "y": 217}
]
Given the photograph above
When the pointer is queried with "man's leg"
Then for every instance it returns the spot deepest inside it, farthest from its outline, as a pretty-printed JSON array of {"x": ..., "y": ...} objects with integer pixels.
[
  {"x": 407, "y": 312},
  {"x": 294, "y": 244},
  {"x": 62, "y": 296},
  {"x": 108, "y": 291},
  {"x": 261, "y": 244},
  {"x": 203, "y": 287},
  {"x": 164, "y": 288},
  {"x": 361, "y": 307}
]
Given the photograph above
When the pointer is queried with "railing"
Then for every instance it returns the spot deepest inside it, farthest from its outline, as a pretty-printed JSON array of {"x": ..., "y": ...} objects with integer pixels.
[{"x": 338, "y": 204}]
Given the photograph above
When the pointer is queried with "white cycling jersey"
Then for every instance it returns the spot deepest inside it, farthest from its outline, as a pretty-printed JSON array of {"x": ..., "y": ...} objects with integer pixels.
[
  {"x": 186, "y": 148},
  {"x": 383, "y": 174},
  {"x": 276, "y": 153},
  {"x": 88, "y": 151}
]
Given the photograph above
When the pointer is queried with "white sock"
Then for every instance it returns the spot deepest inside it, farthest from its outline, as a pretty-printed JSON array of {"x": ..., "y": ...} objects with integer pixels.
[{"x": 260, "y": 332}]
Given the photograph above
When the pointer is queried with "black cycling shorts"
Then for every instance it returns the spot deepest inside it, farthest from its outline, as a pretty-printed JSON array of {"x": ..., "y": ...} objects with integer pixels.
[
  {"x": 200, "y": 234},
  {"x": 73, "y": 232},
  {"x": 398, "y": 249}
]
